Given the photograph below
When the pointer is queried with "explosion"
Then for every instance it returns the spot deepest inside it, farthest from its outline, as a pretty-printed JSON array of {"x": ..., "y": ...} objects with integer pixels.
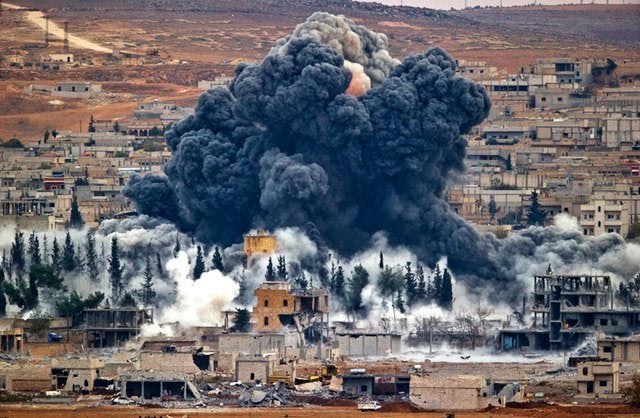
[{"x": 331, "y": 134}]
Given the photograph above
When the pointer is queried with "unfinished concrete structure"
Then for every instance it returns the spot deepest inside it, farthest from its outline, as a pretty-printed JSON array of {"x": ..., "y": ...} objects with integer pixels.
[
  {"x": 471, "y": 393},
  {"x": 278, "y": 306},
  {"x": 147, "y": 385},
  {"x": 598, "y": 377},
  {"x": 566, "y": 309},
  {"x": 252, "y": 368},
  {"x": 75, "y": 375},
  {"x": 260, "y": 243},
  {"x": 12, "y": 341},
  {"x": 360, "y": 344},
  {"x": 113, "y": 326},
  {"x": 619, "y": 349}
]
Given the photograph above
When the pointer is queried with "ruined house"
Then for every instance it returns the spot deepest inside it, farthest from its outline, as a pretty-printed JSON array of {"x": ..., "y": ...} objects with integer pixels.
[
  {"x": 598, "y": 377},
  {"x": 75, "y": 375},
  {"x": 460, "y": 393},
  {"x": 12, "y": 341},
  {"x": 148, "y": 385},
  {"x": 111, "y": 327},
  {"x": 257, "y": 367},
  {"x": 566, "y": 309},
  {"x": 619, "y": 349},
  {"x": 278, "y": 306},
  {"x": 361, "y": 344},
  {"x": 259, "y": 243}
]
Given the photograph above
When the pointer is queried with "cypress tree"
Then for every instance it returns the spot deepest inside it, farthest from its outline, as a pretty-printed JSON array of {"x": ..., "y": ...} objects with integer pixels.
[
  {"x": 437, "y": 284},
  {"x": 147, "y": 292},
  {"x": 91, "y": 257},
  {"x": 3, "y": 298},
  {"x": 270, "y": 275},
  {"x": 159, "y": 265},
  {"x": 177, "y": 247},
  {"x": 421, "y": 290},
  {"x": 56, "y": 257},
  {"x": 535, "y": 216},
  {"x": 199, "y": 267},
  {"x": 381, "y": 262},
  {"x": 359, "y": 279},
  {"x": 338, "y": 283},
  {"x": 216, "y": 260},
  {"x": 75, "y": 219},
  {"x": 115, "y": 272},
  {"x": 446, "y": 293},
  {"x": 410, "y": 284},
  {"x": 17, "y": 252},
  {"x": 34, "y": 250},
  {"x": 68, "y": 254},
  {"x": 281, "y": 271}
]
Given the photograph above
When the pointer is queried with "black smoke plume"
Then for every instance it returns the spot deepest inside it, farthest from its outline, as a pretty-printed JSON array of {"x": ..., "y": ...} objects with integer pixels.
[{"x": 286, "y": 146}]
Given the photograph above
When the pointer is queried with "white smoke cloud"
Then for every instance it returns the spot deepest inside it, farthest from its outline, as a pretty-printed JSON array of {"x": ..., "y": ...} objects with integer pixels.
[{"x": 198, "y": 302}]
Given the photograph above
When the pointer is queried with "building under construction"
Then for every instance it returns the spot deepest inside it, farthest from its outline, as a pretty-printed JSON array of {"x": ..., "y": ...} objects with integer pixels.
[{"x": 566, "y": 309}]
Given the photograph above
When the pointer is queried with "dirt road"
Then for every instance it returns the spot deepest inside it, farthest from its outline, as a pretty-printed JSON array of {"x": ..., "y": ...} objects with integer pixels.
[{"x": 37, "y": 18}]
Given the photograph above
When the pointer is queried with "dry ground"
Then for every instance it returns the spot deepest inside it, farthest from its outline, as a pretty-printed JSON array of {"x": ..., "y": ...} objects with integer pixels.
[{"x": 211, "y": 37}]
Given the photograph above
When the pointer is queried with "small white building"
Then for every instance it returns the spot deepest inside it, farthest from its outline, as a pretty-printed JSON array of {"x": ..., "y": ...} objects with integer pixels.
[{"x": 76, "y": 89}]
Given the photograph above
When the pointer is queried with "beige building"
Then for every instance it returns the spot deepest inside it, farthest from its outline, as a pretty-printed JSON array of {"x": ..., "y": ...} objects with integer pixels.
[
  {"x": 598, "y": 377},
  {"x": 605, "y": 214},
  {"x": 620, "y": 349},
  {"x": 75, "y": 375},
  {"x": 252, "y": 368}
]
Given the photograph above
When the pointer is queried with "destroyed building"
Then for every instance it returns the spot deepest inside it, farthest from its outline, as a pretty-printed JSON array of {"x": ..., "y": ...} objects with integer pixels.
[
  {"x": 250, "y": 369},
  {"x": 75, "y": 375},
  {"x": 566, "y": 309},
  {"x": 470, "y": 393},
  {"x": 113, "y": 326},
  {"x": 598, "y": 377},
  {"x": 12, "y": 341},
  {"x": 619, "y": 349},
  {"x": 259, "y": 243},
  {"x": 148, "y": 385},
  {"x": 278, "y": 306},
  {"x": 363, "y": 344}
]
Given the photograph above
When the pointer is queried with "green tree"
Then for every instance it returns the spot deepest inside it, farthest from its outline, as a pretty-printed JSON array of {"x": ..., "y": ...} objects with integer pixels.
[
  {"x": 34, "y": 249},
  {"x": 45, "y": 276},
  {"x": 281, "y": 270},
  {"x": 410, "y": 285},
  {"x": 359, "y": 279},
  {"x": 3, "y": 298},
  {"x": 17, "y": 252},
  {"x": 91, "y": 257},
  {"x": 115, "y": 272},
  {"x": 127, "y": 301},
  {"x": 338, "y": 283},
  {"x": 381, "y": 262},
  {"x": 216, "y": 261},
  {"x": 270, "y": 275},
  {"x": 116, "y": 126},
  {"x": 242, "y": 320},
  {"x": 302, "y": 282},
  {"x": 509, "y": 164},
  {"x": 56, "y": 256},
  {"x": 421, "y": 288},
  {"x": 155, "y": 131},
  {"x": 399, "y": 303},
  {"x": 75, "y": 219},
  {"x": 198, "y": 267},
  {"x": 45, "y": 136},
  {"x": 73, "y": 305},
  {"x": 68, "y": 254},
  {"x": 634, "y": 229},
  {"x": 147, "y": 294},
  {"x": 389, "y": 284},
  {"x": 535, "y": 216},
  {"x": 177, "y": 247},
  {"x": 159, "y": 265},
  {"x": 628, "y": 293},
  {"x": 437, "y": 284},
  {"x": 633, "y": 390},
  {"x": 446, "y": 294}
]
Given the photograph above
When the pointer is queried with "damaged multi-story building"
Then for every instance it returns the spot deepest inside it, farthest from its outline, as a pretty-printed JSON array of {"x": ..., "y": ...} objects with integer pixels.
[
  {"x": 278, "y": 306},
  {"x": 566, "y": 310}
]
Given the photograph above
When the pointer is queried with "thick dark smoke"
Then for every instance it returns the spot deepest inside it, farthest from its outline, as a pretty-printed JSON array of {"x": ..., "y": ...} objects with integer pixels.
[{"x": 285, "y": 146}]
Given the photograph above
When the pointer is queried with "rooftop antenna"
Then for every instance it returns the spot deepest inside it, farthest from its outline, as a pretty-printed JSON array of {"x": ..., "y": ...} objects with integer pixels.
[
  {"x": 66, "y": 37},
  {"x": 46, "y": 32}
]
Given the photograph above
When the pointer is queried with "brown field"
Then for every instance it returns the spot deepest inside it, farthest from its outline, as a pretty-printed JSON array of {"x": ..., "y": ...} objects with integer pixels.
[{"x": 207, "y": 39}]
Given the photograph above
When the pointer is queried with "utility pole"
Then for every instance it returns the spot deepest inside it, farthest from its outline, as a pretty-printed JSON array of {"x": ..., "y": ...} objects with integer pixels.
[
  {"x": 66, "y": 37},
  {"x": 46, "y": 32}
]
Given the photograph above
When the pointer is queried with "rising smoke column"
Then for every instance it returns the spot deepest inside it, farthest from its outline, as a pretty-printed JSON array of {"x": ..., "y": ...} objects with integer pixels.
[{"x": 287, "y": 145}]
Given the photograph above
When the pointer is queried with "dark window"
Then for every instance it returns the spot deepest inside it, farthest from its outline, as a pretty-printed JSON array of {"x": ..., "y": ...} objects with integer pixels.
[
  {"x": 544, "y": 99},
  {"x": 364, "y": 388},
  {"x": 285, "y": 303},
  {"x": 603, "y": 383},
  {"x": 266, "y": 303},
  {"x": 604, "y": 321},
  {"x": 266, "y": 320},
  {"x": 559, "y": 99},
  {"x": 252, "y": 376},
  {"x": 606, "y": 349},
  {"x": 599, "y": 209},
  {"x": 585, "y": 371}
]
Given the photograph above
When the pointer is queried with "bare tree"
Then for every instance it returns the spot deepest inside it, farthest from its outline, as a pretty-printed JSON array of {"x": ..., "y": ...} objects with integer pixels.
[{"x": 425, "y": 327}]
